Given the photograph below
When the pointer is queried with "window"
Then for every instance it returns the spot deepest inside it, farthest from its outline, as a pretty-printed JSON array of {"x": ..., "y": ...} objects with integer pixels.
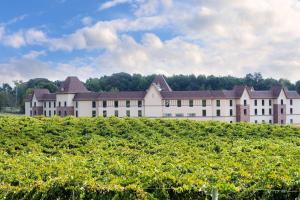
[
  {"x": 230, "y": 103},
  {"x": 65, "y": 113},
  {"x": 204, "y": 103},
  {"x": 54, "y": 112},
  {"x": 34, "y": 112},
  {"x": 270, "y": 121},
  {"x": 178, "y": 103},
  {"x": 167, "y": 103},
  {"x": 116, "y": 113},
  {"x": 270, "y": 111},
  {"x": 263, "y": 111},
  {"x": 94, "y": 104},
  {"x": 255, "y": 102},
  {"x": 50, "y": 104},
  {"x": 179, "y": 115},
  {"x": 245, "y": 111},
  {"x": 140, "y": 103},
  {"x": 291, "y": 102},
  {"x": 167, "y": 115},
  {"x": 76, "y": 113},
  {"x": 230, "y": 122},
  {"x": 94, "y": 113},
  {"x": 270, "y": 102},
  {"x": 59, "y": 104},
  {"x": 255, "y": 121},
  {"x": 231, "y": 112},
  {"x": 59, "y": 113},
  {"x": 140, "y": 113},
  {"x": 281, "y": 101},
  {"x": 218, "y": 113},
  {"x": 76, "y": 104},
  {"x": 104, "y": 113},
  {"x": 116, "y": 103},
  {"x": 45, "y": 113},
  {"x": 128, "y": 113},
  {"x": 204, "y": 113},
  {"x": 281, "y": 110},
  {"x": 65, "y": 104},
  {"x": 255, "y": 111},
  {"x": 291, "y": 111},
  {"x": 104, "y": 104},
  {"x": 291, "y": 121},
  {"x": 245, "y": 102},
  {"x": 191, "y": 102},
  {"x": 192, "y": 114},
  {"x": 263, "y": 102},
  {"x": 30, "y": 104},
  {"x": 44, "y": 104},
  {"x": 218, "y": 103},
  {"x": 127, "y": 104},
  {"x": 49, "y": 113},
  {"x": 281, "y": 121},
  {"x": 54, "y": 104},
  {"x": 34, "y": 104},
  {"x": 31, "y": 113}
]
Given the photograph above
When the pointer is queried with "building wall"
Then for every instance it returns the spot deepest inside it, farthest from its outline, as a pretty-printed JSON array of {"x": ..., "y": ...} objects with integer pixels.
[
  {"x": 27, "y": 109},
  {"x": 49, "y": 110},
  {"x": 84, "y": 109},
  {"x": 154, "y": 106},
  {"x": 153, "y": 103},
  {"x": 65, "y": 98},
  {"x": 121, "y": 109}
]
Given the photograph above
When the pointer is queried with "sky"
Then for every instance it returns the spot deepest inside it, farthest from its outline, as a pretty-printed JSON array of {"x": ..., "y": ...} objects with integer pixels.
[{"x": 90, "y": 38}]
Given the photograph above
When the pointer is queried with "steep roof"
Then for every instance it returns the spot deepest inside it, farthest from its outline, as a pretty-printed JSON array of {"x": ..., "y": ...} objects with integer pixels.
[
  {"x": 138, "y": 95},
  {"x": 38, "y": 93},
  {"x": 161, "y": 82},
  {"x": 72, "y": 85},
  {"x": 49, "y": 97}
]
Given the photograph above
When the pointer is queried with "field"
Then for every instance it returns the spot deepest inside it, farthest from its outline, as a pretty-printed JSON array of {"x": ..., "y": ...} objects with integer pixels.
[{"x": 112, "y": 158}]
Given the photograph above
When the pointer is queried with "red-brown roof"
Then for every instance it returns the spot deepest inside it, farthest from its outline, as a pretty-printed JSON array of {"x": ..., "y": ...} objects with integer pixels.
[
  {"x": 160, "y": 81},
  {"x": 72, "y": 85}
]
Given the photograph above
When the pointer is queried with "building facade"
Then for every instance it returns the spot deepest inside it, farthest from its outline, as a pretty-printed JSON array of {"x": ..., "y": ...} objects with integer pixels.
[{"x": 241, "y": 104}]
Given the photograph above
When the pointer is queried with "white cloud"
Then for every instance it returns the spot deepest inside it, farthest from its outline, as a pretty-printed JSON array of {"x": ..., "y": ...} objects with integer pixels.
[
  {"x": 2, "y": 31},
  {"x": 87, "y": 21},
  {"x": 34, "y": 54},
  {"x": 206, "y": 37},
  {"x": 28, "y": 68},
  {"x": 112, "y": 3},
  {"x": 15, "y": 40},
  {"x": 35, "y": 36}
]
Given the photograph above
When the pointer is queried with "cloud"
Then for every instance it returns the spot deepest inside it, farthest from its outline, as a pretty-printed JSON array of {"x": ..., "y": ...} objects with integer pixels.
[
  {"x": 112, "y": 3},
  {"x": 202, "y": 37},
  {"x": 34, "y": 54},
  {"x": 15, "y": 40},
  {"x": 86, "y": 21},
  {"x": 28, "y": 68},
  {"x": 103, "y": 34}
]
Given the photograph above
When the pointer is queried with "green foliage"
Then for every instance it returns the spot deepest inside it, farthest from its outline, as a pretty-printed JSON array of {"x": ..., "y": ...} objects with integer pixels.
[{"x": 112, "y": 158}]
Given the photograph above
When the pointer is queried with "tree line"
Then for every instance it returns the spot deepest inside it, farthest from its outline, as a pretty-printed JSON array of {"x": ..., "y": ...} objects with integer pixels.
[{"x": 14, "y": 96}]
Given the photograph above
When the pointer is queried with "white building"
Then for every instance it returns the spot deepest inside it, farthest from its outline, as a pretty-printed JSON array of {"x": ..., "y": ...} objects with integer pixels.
[{"x": 278, "y": 105}]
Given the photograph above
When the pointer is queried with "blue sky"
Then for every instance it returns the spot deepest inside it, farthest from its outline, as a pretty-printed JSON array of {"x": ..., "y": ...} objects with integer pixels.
[{"x": 58, "y": 38}]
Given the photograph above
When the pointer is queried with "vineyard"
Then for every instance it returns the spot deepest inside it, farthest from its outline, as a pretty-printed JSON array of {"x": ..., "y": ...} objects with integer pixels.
[{"x": 113, "y": 158}]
